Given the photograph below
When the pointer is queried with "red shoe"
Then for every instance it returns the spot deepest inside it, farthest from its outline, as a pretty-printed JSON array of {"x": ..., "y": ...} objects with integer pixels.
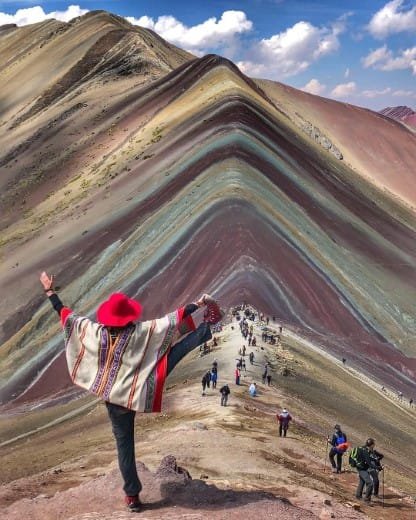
[{"x": 133, "y": 503}]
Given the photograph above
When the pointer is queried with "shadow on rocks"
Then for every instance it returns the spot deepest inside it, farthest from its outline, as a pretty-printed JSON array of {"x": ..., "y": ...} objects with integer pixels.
[{"x": 177, "y": 488}]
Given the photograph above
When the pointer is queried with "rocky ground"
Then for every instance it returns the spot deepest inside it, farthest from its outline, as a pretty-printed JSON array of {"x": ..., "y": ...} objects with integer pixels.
[{"x": 237, "y": 463}]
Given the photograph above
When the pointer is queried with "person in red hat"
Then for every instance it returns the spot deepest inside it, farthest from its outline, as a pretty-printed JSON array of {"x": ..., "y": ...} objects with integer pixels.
[{"x": 125, "y": 361}]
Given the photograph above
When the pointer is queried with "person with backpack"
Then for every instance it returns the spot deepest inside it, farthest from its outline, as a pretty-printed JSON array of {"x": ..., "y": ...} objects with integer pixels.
[
  {"x": 225, "y": 392},
  {"x": 339, "y": 447},
  {"x": 284, "y": 419},
  {"x": 361, "y": 459}
]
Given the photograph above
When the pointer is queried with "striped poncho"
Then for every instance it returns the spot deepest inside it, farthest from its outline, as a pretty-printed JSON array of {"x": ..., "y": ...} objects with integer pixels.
[{"x": 129, "y": 370}]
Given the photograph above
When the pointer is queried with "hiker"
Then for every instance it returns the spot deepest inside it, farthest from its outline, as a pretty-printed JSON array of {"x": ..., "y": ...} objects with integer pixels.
[
  {"x": 344, "y": 360},
  {"x": 280, "y": 329},
  {"x": 125, "y": 362},
  {"x": 360, "y": 458},
  {"x": 339, "y": 447},
  {"x": 204, "y": 383},
  {"x": 215, "y": 364},
  {"x": 249, "y": 341},
  {"x": 243, "y": 365},
  {"x": 214, "y": 377},
  {"x": 244, "y": 350},
  {"x": 376, "y": 458},
  {"x": 251, "y": 357},
  {"x": 263, "y": 376},
  {"x": 237, "y": 376},
  {"x": 267, "y": 320},
  {"x": 254, "y": 342},
  {"x": 284, "y": 419},
  {"x": 225, "y": 392},
  {"x": 252, "y": 389},
  {"x": 411, "y": 402},
  {"x": 208, "y": 378},
  {"x": 269, "y": 379},
  {"x": 215, "y": 342}
]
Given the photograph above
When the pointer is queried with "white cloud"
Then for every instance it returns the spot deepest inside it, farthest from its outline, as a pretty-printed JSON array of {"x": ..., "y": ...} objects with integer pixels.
[
  {"x": 392, "y": 18},
  {"x": 37, "y": 14},
  {"x": 344, "y": 90},
  {"x": 314, "y": 87},
  {"x": 384, "y": 59},
  {"x": 375, "y": 93},
  {"x": 347, "y": 73},
  {"x": 404, "y": 93},
  {"x": 293, "y": 50},
  {"x": 212, "y": 33}
]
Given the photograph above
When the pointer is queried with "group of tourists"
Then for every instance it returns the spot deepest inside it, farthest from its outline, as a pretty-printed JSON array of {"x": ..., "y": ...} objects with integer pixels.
[
  {"x": 365, "y": 459},
  {"x": 210, "y": 377}
]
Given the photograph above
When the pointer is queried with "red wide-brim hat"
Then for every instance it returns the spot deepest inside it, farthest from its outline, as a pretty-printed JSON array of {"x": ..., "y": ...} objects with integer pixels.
[{"x": 118, "y": 311}]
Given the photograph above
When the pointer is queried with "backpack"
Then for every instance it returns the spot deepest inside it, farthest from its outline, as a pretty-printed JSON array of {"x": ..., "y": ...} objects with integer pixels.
[
  {"x": 341, "y": 439},
  {"x": 355, "y": 456}
]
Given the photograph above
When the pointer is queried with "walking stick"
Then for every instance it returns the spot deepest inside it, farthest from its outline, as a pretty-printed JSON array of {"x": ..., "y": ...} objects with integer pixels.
[
  {"x": 326, "y": 453},
  {"x": 382, "y": 483}
]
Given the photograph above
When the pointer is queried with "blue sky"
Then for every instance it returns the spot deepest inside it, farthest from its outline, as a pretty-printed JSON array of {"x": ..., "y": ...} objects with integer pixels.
[{"x": 362, "y": 52}]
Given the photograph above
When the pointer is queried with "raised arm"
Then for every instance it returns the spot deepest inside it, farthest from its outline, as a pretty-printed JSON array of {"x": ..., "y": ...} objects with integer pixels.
[{"x": 47, "y": 283}]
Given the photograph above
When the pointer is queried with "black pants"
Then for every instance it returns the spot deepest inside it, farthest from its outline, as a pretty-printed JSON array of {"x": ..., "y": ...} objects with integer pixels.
[
  {"x": 376, "y": 480},
  {"x": 122, "y": 419},
  {"x": 332, "y": 454},
  {"x": 283, "y": 429},
  {"x": 364, "y": 478}
]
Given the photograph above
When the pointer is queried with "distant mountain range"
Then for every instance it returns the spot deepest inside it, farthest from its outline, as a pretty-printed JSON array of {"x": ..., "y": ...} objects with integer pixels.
[
  {"x": 129, "y": 164},
  {"x": 401, "y": 113}
]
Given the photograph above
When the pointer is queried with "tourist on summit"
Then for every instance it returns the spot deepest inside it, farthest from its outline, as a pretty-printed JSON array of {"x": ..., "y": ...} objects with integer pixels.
[
  {"x": 125, "y": 362},
  {"x": 339, "y": 447},
  {"x": 225, "y": 392},
  {"x": 284, "y": 419}
]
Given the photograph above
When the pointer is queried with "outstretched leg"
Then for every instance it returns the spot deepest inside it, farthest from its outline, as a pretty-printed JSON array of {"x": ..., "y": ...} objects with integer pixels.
[{"x": 187, "y": 344}]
